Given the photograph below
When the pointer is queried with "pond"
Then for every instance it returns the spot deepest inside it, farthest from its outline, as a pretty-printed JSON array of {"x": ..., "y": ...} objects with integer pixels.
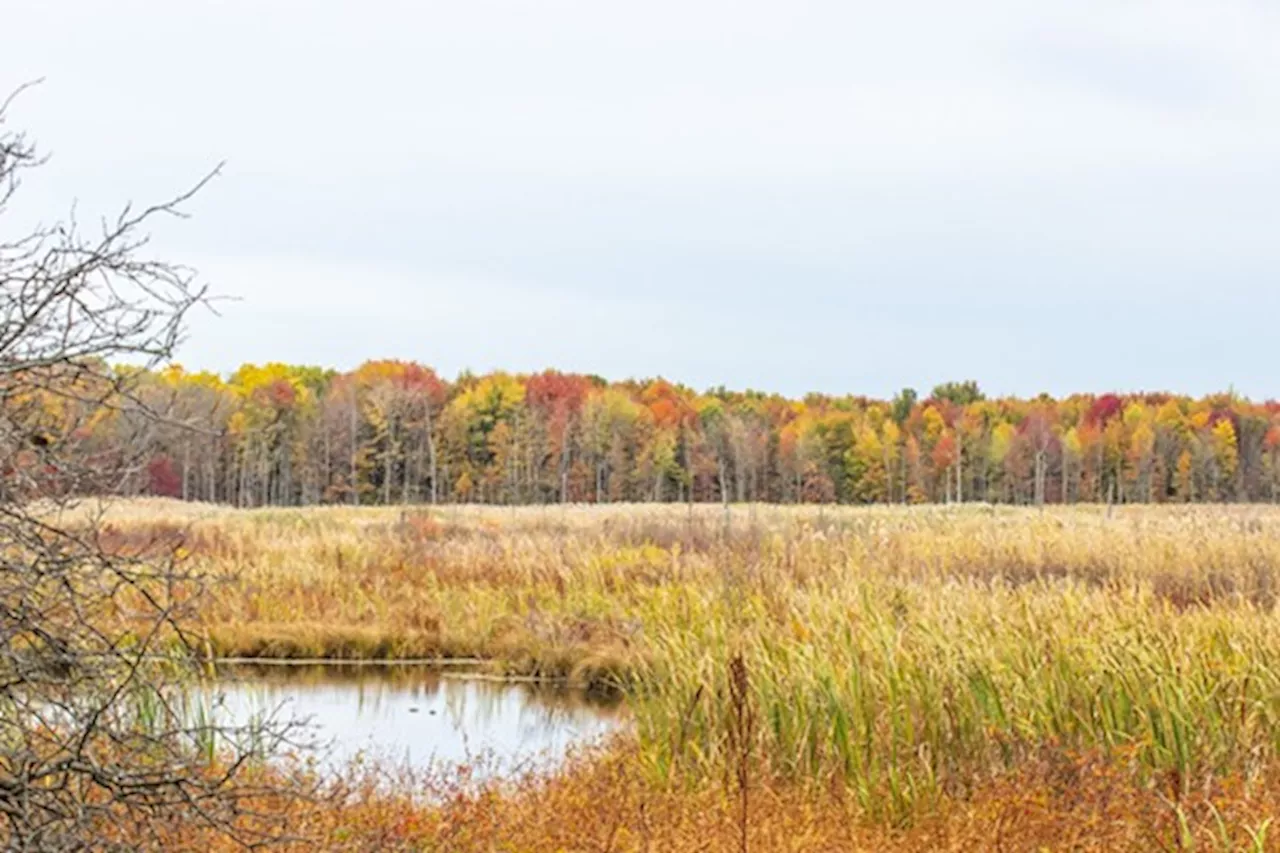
[{"x": 417, "y": 717}]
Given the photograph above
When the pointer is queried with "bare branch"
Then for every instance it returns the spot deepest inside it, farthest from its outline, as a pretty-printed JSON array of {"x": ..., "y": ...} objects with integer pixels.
[{"x": 99, "y": 748}]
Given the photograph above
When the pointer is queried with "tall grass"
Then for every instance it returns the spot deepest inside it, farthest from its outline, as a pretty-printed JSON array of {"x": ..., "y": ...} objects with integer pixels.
[{"x": 908, "y": 656}]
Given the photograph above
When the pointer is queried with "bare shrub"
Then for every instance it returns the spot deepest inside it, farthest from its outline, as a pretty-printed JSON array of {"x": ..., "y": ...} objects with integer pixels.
[{"x": 101, "y": 746}]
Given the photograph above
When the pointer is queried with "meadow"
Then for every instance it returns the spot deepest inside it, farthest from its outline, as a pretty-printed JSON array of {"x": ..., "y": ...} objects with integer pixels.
[{"x": 800, "y": 678}]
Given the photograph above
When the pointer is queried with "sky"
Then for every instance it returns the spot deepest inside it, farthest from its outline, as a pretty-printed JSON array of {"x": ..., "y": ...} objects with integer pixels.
[{"x": 789, "y": 196}]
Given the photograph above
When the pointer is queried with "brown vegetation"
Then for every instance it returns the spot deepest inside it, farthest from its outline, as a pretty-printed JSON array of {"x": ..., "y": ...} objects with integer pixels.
[
  {"x": 600, "y": 803},
  {"x": 916, "y": 679}
]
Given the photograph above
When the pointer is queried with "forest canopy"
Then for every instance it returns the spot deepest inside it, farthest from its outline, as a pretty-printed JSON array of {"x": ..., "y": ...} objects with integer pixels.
[{"x": 396, "y": 432}]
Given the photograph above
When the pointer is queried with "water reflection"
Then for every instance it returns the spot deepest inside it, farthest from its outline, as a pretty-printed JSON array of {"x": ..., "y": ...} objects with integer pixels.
[{"x": 417, "y": 717}]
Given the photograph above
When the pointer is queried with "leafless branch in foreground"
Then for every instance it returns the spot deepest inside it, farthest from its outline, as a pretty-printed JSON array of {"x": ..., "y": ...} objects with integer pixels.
[{"x": 101, "y": 744}]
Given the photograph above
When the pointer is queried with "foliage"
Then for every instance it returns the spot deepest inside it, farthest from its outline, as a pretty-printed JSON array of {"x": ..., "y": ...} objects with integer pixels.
[{"x": 394, "y": 432}]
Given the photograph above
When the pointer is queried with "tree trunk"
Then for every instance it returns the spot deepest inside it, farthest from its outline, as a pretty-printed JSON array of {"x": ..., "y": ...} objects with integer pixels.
[
  {"x": 355, "y": 449},
  {"x": 328, "y": 461},
  {"x": 431, "y": 456},
  {"x": 724, "y": 487},
  {"x": 186, "y": 470},
  {"x": 388, "y": 463}
]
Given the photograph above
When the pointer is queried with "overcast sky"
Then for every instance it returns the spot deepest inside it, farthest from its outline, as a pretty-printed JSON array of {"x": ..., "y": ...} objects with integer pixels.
[{"x": 792, "y": 196}]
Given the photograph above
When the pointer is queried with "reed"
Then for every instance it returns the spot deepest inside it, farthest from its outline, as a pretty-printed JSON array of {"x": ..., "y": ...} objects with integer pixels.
[
  {"x": 598, "y": 803},
  {"x": 910, "y": 657}
]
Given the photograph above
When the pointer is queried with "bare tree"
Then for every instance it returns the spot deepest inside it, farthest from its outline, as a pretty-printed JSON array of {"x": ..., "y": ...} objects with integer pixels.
[{"x": 98, "y": 747}]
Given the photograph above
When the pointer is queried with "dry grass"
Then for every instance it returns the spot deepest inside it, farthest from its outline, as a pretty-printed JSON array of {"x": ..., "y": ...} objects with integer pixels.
[
  {"x": 956, "y": 671},
  {"x": 1059, "y": 802}
]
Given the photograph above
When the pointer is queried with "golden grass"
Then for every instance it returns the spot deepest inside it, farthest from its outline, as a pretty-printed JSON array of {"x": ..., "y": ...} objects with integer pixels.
[
  {"x": 913, "y": 660},
  {"x": 599, "y": 803}
]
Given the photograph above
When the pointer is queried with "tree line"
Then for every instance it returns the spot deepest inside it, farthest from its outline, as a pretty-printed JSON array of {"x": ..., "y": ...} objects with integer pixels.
[{"x": 395, "y": 432}]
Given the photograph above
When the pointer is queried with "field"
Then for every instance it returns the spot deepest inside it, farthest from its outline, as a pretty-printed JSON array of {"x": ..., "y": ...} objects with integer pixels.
[{"x": 814, "y": 677}]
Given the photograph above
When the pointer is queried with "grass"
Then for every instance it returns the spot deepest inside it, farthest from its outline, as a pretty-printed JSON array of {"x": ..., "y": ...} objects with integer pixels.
[
  {"x": 910, "y": 669},
  {"x": 599, "y": 803}
]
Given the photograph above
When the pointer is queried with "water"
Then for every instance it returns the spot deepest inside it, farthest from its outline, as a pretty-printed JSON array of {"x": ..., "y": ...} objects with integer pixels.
[{"x": 416, "y": 717}]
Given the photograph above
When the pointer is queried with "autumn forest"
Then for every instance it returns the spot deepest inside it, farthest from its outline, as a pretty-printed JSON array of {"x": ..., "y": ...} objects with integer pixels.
[{"x": 393, "y": 432}]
